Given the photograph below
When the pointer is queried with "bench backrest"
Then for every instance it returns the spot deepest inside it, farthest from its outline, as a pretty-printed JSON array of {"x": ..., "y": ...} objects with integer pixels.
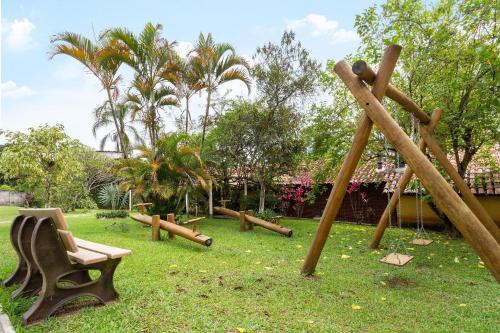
[{"x": 58, "y": 218}]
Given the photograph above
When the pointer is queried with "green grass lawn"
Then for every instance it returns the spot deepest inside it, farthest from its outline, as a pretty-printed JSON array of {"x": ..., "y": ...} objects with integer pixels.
[{"x": 250, "y": 282}]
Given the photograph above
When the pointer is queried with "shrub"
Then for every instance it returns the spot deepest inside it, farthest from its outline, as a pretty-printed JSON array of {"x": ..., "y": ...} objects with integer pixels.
[
  {"x": 5, "y": 187},
  {"x": 110, "y": 196},
  {"x": 266, "y": 215},
  {"x": 113, "y": 214}
]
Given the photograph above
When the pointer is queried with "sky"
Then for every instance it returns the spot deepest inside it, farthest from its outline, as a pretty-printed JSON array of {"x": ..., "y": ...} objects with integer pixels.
[{"x": 37, "y": 90}]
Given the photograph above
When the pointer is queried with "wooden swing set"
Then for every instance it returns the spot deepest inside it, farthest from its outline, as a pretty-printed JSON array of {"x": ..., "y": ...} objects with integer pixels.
[{"x": 464, "y": 211}]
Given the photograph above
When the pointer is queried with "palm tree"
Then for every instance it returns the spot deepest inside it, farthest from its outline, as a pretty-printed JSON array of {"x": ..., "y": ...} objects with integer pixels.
[
  {"x": 95, "y": 57},
  {"x": 156, "y": 175},
  {"x": 153, "y": 59},
  {"x": 103, "y": 118},
  {"x": 215, "y": 64},
  {"x": 187, "y": 85}
]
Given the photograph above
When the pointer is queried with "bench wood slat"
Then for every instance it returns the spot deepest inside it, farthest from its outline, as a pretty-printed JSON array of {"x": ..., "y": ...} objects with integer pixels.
[
  {"x": 86, "y": 257},
  {"x": 110, "y": 251}
]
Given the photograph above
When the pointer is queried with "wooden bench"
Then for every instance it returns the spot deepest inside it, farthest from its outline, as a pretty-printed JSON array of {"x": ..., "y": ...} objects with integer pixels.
[{"x": 50, "y": 256}]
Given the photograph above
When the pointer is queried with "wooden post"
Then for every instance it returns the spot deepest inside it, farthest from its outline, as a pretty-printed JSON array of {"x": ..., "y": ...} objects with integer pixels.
[
  {"x": 360, "y": 141},
  {"x": 403, "y": 182},
  {"x": 171, "y": 219},
  {"x": 250, "y": 225},
  {"x": 446, "y": 199},
  {"x": 467, "y": 195},
  {"x": 242, "y": 221},
  {"x": 155, "y": 221},
  {"x": 130, "y": 200},
  {"x": 210, "y": 199}
]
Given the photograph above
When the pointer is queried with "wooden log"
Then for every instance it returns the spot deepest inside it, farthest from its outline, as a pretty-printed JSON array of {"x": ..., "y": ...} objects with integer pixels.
[
  {"x": 242, "y": 221},
  {"x": 403, "y": 182},
  {"x": 365, "y": 73},
  {"x": 468, "y": 197},
  {"x": 155, "y": 223},
  {"x": 254, "y": 220},
  {"x": 171, "y": 219},
  {"x": 175, "y": 229},
  {"x": 359, "y": 143},
  {"x": 446, "y": 198}
]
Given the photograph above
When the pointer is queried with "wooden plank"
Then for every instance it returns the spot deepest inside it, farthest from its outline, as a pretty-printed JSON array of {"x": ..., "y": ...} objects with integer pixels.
[
  {"x": 396, "y": 259},
  {"x": 86, "y": 257},
  {"x": 446, "y": 198},
  {"x": 55, "y": 213},
  {"x": 110, "y": 251},
  {"x": 421, "y": 242},
  {"x": 360, "y": 141},
  {"x": 68, "y": 240}
]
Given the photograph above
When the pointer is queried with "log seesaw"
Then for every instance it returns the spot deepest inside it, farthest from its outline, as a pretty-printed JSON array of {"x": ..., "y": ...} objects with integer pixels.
[
  {"x": 243, "y": 217},
  {"x": 173, "y": 229}
]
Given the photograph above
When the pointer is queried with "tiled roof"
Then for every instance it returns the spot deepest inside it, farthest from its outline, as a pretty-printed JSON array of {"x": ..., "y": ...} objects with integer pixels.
[{"x": 480, "y": 178}]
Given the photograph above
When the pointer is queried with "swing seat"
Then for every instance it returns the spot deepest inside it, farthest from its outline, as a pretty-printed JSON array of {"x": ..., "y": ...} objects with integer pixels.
[
  {"x": 396, "y": 259},
  {"x": 421, "y": 241}
]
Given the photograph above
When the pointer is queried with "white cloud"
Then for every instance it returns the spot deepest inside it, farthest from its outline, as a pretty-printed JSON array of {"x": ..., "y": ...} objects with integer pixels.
[
  {"x": 183, "y": 48},
  {"x": 17, "y": 34},
  {"x": 10, "y": 89},
  {"x": 320, "y": 26}
]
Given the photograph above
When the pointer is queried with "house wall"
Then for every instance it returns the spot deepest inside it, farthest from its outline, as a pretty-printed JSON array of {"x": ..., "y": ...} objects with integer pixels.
[
  {"x": 370, "y": 212},
  {"x": 11, "y": 198}
]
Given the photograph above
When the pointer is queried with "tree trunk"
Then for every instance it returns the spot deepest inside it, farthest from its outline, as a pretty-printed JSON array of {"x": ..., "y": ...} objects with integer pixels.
[
  {"x": 115, "y": 120},
  {"x": 205, "y": 120},
  {"x": 262, "y": 195},
  {"x": 187, "y": 114}
]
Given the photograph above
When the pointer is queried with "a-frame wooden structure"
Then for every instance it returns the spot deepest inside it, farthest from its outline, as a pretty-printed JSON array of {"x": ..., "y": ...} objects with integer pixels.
[{"x": 465, "y": 212}]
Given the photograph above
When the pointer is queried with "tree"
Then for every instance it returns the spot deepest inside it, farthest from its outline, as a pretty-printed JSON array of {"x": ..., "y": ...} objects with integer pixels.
[
  {"x": 161, "y": 175},
  {"x": 104, "y": 117},
  {"x": 44, "y": 156},
  {"x": 449, "y": 60},
  {"x": 285, "y": 74},
  {"x": 187, "y": 85},
  {"x": 95, "y": 57},
  {"x": 213, "y": 65},
  {"x": 246, "y": 142},
  {"x": 153, "y": 60}
]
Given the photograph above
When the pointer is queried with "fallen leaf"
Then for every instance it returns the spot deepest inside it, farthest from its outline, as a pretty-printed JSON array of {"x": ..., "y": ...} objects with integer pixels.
[
  {"x": 257, "y": 262},
  {"x": 248, "y": 251},
  {"x": 240, "y": 330},
  {"x": 383, "y": 283},
  {"x": 345, "y": 256},
  {"x": 268, "y": 268},
  {"x": 298, "y": 246},
  {"x": 320, "y": 273},
  {"x": 462, "y": 305},
  {"x": 355, "y": 307},
  {"x": 456, "y": 260},
  {"x": 202, "y": 271},
  {"x": 310, "y": 321},
  {"x": 383, "y": 298},
  {"x": 173, "y": 266}
]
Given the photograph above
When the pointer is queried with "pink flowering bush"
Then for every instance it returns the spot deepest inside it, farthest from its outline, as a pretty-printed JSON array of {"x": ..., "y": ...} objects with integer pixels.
[{"x": 294, "y": 197}]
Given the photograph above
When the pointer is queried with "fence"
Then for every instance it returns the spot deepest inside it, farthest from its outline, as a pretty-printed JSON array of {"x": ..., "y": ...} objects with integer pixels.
[{"x": 10, "y": 198}]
